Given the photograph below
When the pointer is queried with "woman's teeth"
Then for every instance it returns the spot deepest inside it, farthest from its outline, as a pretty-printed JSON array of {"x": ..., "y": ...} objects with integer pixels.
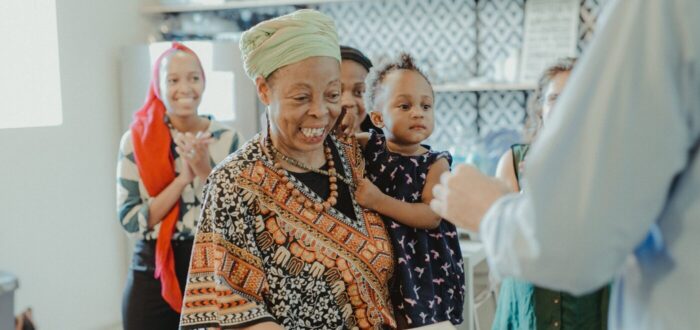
[{"x": 312, "y": 132}]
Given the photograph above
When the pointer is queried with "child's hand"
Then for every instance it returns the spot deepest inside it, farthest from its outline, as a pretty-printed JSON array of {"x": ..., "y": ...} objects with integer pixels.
[{"x": 367, "y": 194}]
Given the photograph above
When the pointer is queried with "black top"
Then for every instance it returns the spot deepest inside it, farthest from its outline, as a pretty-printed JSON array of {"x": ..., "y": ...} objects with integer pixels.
[
  {"x": 428, "y": 282},
  {"x": 320, "y": 184}
]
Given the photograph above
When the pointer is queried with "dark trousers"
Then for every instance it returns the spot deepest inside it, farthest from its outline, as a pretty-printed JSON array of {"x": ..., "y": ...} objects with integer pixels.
[{"x": 143, "y": 306}]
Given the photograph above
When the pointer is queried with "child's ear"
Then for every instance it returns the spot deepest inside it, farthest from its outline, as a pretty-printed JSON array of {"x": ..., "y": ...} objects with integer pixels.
[
  {"x": 377, "y": 119},
  {"x": 262, "y": 87}
]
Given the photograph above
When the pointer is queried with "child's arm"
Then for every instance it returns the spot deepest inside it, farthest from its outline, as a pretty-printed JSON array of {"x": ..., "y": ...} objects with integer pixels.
[
  {"x": 362, "y": 138},
  {"x": 417, "y": 215},
  {"x": 506, "y": 171}
]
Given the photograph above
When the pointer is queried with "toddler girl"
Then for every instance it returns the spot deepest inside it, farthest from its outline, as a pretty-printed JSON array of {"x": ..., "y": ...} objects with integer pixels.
[{"x": 428, "y": 285}]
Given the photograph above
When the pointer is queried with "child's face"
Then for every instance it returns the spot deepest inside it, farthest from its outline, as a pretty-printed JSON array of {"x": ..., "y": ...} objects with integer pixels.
[{"x": 405, "y": 107}]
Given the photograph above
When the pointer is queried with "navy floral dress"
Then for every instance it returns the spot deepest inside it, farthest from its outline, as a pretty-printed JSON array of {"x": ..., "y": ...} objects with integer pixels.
[{"x": 428, "y": 285}]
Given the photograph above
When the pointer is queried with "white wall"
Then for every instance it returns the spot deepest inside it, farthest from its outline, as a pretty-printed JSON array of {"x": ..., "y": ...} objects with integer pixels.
[{"x": 58, "y": 226}]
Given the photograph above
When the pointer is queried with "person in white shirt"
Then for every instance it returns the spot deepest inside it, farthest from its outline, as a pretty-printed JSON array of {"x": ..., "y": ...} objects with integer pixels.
[{"x": 613, "y": 183}]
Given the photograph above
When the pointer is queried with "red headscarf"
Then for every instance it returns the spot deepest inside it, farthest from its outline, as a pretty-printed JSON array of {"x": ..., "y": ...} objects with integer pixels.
[{"x": 152, "y": 140}]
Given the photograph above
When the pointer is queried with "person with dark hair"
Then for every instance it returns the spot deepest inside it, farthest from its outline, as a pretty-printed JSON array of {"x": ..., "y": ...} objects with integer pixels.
[
  {"x": 164, "y": 159},
  {"x": 549, "y": 86},
  {"x": 354, "y": 68},
  {"x": 428, "y": 287},
  {"x": 521, "y": 304}
]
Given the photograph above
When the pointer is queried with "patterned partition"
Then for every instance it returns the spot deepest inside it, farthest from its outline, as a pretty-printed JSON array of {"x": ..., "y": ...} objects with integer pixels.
[
  {"x": 464, "y": 36},
  {"x": 451, "y": 40}
]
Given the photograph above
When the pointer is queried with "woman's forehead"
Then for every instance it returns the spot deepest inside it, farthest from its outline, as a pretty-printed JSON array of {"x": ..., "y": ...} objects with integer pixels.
[
  {"x": 311, "y": 72},
  {"x": 558, "y": 82},
  {"x": 179, "y": 61},
  {"x": 352, "y": 67}
]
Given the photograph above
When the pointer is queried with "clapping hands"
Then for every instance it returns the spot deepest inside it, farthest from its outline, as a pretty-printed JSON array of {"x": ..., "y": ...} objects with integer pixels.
[{"x": 194, "y": 151}]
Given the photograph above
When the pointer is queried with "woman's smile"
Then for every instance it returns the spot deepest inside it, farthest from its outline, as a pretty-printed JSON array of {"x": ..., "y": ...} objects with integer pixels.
[
  {"x": 313, "y": 135},
  {"x": 190, "y": 100}
]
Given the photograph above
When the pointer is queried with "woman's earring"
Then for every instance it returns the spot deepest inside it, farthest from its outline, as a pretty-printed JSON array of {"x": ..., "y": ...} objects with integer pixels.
[{"x": 267, "y": 120}]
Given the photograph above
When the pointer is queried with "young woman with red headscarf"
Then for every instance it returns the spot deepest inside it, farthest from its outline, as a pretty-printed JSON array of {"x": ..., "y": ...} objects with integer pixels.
[{"x": 164, "y": 159}]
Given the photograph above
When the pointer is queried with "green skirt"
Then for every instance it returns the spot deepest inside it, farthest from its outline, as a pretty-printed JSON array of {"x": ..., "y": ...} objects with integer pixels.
[{"x": 521, "y": 305}]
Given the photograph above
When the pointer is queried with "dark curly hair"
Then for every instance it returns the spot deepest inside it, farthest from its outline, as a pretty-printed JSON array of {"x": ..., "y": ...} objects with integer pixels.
[
  {"x": 378, "y": 73},
  {"x": 533, "y": 124}
]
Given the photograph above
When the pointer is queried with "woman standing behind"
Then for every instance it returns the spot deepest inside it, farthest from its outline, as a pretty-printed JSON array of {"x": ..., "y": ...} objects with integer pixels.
[
  {"x": 521, "y": 305},
  {"x": 354, "y": 68},
  {"x": 163, "y": 160}
]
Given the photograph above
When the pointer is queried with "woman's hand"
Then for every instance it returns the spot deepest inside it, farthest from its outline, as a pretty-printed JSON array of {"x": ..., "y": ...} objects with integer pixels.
[
  {"x": 367, "y": 194},
  {"x": 186, "y": 176},
  {"x": 345, "y": 124},
  {"x": 195, "y": 151},
  {"x": 164, "y": 201}
]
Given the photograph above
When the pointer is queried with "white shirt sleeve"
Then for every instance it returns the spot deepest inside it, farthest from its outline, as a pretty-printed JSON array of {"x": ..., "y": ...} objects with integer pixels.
[{"x": 599, "y": 175}]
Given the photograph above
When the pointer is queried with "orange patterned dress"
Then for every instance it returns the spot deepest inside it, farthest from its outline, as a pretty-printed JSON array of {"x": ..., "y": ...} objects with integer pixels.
[{"x": 260, "y": 255}]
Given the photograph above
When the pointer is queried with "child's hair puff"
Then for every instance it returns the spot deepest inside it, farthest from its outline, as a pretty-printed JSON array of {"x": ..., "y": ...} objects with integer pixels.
[{"x": 377, "y": 74}]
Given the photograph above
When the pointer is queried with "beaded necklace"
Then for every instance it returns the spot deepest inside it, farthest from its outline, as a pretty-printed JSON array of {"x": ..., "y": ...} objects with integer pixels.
[{"x": 332, "y": 174}]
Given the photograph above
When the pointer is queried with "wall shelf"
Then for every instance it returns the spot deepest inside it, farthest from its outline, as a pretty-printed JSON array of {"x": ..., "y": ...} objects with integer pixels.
[
  {"x": 231, "y": 4},
  {"x": 473, "y": 86},
  {"x": 484, "y": 86}
]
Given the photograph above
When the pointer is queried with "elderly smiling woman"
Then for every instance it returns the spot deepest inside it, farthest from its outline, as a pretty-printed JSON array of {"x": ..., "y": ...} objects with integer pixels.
[{"x": 281, "y": 241}]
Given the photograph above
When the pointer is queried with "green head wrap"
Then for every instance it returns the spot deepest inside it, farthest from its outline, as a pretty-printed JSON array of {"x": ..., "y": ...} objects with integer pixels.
[{"x": 288, "y": 39}]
